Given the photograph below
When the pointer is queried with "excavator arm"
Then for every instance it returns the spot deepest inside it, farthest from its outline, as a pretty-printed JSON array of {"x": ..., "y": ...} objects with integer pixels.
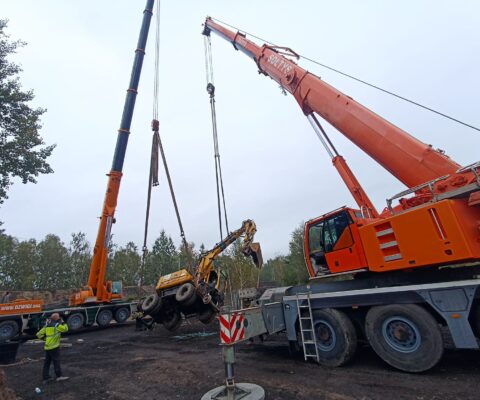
[
  {"x": 249, "y": 249},
  {"x": 204, "y": 267}
]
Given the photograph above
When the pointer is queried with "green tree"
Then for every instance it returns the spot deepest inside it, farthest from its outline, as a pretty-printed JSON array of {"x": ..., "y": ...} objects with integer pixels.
[
  {"x": 80, "y": 258},
  {"x": 21, "y": 151},
  {"x": 52, "y": 269},
  {"x": 241, "y": 271},
  {"x": 125, "y": 265},
  {"x": 295, "y": 270},
  {"x": 8, "y": 246},
  {"x": 186, "y": 257},
  {"x": 162, "y": 260},
  {"x": 26, "y": 257},
  {"x": 273, "y": 270}
]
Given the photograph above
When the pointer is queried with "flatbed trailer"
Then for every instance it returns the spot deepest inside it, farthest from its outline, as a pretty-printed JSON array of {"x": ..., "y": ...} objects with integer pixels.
[
  {"x": 406, "y": 319},
  {"x": 14, "y": 324}
]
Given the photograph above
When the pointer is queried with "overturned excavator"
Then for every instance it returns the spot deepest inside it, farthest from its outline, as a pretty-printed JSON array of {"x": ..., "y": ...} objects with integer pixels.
[{"x": 198, "y": 291}]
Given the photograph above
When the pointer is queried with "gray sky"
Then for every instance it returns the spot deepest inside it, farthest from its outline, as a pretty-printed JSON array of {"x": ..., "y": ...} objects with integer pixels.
[{"x": 78, "y": 62}]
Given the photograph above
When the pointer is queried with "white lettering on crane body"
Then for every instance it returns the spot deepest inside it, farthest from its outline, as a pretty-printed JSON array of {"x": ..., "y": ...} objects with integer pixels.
[
  {"x": 17, "y": 307},
  {"x": 280, "y": 63}
]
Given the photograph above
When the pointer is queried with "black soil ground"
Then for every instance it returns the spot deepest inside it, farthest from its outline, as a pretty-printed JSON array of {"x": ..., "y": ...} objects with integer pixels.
[{"x": 120, "y": 363}]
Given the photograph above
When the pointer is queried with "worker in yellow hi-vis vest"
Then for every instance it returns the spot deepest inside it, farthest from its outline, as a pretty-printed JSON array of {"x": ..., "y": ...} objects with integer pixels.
[{"x": 52, "y": 333}]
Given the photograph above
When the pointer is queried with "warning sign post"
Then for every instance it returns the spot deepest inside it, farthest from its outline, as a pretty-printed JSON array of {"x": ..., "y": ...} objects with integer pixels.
[{"x": 236, "y": 327}]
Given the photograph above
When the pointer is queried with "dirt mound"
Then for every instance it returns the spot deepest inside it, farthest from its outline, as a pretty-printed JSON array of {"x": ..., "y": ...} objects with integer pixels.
[{"x": 5, "y": 392}]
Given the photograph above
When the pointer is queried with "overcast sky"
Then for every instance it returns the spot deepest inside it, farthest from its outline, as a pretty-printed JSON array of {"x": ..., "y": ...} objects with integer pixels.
[{"x": 78, "y": 62}]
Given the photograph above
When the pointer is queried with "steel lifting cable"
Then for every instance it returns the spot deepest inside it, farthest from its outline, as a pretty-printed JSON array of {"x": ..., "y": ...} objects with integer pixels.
[
  {"x": 359, "y": 80},
  {"x": 218, "y": 166},
  {"x": 156, "y": 146}
]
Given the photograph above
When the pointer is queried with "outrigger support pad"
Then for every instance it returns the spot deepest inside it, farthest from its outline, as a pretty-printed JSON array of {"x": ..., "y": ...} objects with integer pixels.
[{"x": 232, "y": 390}]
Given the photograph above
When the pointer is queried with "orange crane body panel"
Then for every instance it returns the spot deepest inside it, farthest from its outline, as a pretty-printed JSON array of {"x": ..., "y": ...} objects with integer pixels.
[{"x": 445, "y": 232}]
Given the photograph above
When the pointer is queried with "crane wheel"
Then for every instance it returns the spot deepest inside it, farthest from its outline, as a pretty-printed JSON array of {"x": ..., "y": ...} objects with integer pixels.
[
  {"x": 104, "y": 317},
  {"x": 335, "y": 336},
  {"x": 8, "y": 330},
  {"x": 406, "y": 336},
  {"x": 207, "y": 316},
  {"x": 152, "y": 304},
  {"x": 476, "y": 320},
  {"x": 75, "y": 321},
  {"x": 186, "y": 294},
  {"x": 122, "y": 314},
  {"x": 172, "y": 320}
]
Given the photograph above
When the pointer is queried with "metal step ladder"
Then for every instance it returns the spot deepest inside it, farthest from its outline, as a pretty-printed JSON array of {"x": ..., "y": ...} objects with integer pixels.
[{"x": 309, "y": 340}]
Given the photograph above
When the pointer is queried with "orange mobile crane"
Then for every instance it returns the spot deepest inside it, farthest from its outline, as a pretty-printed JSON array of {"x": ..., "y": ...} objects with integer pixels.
[
  {"x": 433, "y": 230},
  {"x": 98, "y": 289},
  {"x": 100, "y": 301}
]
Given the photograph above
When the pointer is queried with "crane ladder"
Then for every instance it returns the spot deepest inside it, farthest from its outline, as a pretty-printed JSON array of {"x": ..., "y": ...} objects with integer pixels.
[{"x": 309, "y": 340}]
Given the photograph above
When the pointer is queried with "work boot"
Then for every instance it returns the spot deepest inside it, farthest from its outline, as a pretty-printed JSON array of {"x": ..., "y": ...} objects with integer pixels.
[{"x": 62, "y": 378}]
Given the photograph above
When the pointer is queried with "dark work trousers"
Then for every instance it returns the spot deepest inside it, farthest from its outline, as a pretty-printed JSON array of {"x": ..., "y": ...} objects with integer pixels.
[{"x": 52, "y": 355}]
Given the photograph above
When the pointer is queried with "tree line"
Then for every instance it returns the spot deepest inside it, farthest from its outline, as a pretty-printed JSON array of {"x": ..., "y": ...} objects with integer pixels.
[{"x": 51, "y": 264}]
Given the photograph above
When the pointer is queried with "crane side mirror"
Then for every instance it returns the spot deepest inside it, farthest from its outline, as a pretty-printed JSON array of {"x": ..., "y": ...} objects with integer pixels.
[{"x": 256, "y": 254}]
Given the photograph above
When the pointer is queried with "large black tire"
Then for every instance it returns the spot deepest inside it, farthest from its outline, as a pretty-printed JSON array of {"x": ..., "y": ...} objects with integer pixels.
[
  {"x": 152, "y": 304},
  {"x": 75, "y": 321},
  {"x": 335, "y": 336},
  {"x": 186, "y": 295},
  {"x": 8, "y": 330},
  {"x": 406, "y": 336},
  {"x": 476, "y": 320},
  {"x": 122, "y": 314},
  {"x": 104, "y": 317},
  {"x": 172, "y": 319},
  {"x": 207, "y": 315}
]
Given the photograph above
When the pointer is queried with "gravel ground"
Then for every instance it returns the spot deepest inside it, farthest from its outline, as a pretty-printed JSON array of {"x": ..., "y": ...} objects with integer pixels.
[{"x": 120, "y": 363}]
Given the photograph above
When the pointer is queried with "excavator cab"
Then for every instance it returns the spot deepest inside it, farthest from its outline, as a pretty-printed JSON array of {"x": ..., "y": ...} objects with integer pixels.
[{"x": 254, "y": 250}]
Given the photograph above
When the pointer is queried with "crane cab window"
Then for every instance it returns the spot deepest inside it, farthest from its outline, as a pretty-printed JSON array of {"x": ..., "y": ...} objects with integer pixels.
[
  {"x": 336, "y": 233},
  {"x": 330, "y": 234}
]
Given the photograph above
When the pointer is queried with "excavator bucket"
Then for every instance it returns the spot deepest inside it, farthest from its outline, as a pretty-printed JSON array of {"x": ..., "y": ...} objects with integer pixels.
[{"x": 256, "y": 253}]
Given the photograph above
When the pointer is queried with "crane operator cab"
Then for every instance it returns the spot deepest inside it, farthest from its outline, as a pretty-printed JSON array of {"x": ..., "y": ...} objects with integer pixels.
[{"x": 332, "y": 243}]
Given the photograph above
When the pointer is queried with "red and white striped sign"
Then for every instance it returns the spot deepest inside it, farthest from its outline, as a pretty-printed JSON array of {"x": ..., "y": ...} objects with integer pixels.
[{"x": 232, "y": 328}]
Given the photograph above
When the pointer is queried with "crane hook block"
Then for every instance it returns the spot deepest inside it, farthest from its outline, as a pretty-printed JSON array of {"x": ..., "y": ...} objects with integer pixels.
[
  {"x": 155, "y": 125},
  {"x": 211, "y": 89}
]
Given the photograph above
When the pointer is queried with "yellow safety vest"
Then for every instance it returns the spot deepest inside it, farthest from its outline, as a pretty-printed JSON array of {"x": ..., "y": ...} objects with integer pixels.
[{"x": 52, "y": 333}]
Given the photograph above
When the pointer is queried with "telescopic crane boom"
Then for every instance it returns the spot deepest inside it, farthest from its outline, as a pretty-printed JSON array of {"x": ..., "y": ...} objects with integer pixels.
[
  {"x": 439, "y": 225},
  {"x": 405, "y": 157},
  {"x": 99, "y": 290}
]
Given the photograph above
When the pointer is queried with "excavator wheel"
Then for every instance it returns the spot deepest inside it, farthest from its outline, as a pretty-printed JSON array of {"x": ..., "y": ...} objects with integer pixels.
[
  {"x": 186, "y": 294},
  {"x": 406, "y": 336},
  {"x": 152, "y": 304},
  {"x": 207, "y": 316},
  {"x": 172, "y": 320}
]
